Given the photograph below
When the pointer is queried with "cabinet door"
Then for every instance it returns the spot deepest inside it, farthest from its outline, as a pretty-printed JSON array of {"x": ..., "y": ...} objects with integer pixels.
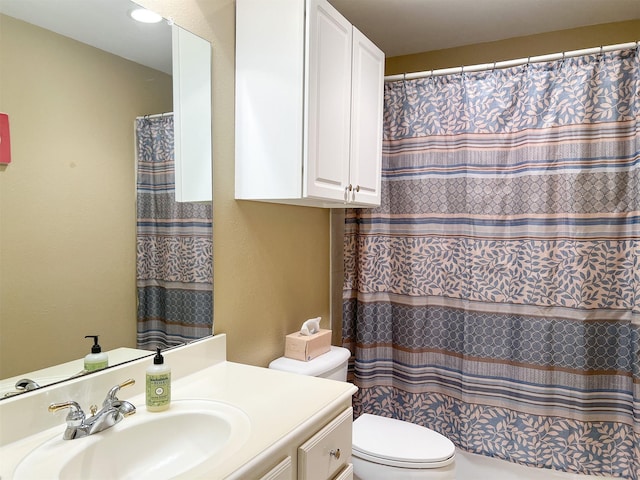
[
  {"x": 325, "y": 454},
  {"x": 328, "y": 111},
  {"x": 282, "y": 471},
  {"x": 366, "y": 121}
]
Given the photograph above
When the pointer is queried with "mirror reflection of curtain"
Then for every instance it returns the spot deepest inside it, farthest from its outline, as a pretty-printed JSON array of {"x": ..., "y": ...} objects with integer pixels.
[
  {"x": 494, "y": 296},
  {"x": 174, "y": 246}
]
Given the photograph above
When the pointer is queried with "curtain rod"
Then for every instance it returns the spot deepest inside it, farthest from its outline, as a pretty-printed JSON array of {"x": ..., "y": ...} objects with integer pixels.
[
  {"x": 155, "y": 115},
  {"x": 509, "y": 63}
]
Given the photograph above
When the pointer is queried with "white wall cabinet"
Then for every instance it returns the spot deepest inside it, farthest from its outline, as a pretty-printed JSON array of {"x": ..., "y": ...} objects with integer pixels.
[{"x": 309, "y": 99}]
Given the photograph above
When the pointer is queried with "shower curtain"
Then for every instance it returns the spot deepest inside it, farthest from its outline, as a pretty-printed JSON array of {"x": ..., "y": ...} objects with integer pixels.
[
  {"x": 495, "y": 294},
  {"x": 174, "y": 246}
]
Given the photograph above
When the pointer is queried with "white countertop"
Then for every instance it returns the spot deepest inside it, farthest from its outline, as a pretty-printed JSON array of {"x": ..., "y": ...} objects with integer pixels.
[{"x": 276, "y": 403}]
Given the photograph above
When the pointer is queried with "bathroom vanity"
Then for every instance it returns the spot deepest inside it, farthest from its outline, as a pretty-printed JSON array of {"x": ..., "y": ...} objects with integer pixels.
[{"x": 226, "y": 421}]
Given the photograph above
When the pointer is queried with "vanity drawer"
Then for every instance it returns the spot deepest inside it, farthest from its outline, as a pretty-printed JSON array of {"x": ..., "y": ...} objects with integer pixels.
[
  {"x": 325, "y": 455},
  {"x": 346, "y": 473}
]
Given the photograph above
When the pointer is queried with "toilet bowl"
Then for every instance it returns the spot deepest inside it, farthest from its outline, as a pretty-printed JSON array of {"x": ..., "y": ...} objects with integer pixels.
[{"x": 383, "y": 448}]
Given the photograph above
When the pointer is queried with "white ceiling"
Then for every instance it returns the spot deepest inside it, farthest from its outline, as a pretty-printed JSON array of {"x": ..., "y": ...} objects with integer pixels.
[
  {"x": 398, "y": 27},
  {"x": 401, "y": 27}
]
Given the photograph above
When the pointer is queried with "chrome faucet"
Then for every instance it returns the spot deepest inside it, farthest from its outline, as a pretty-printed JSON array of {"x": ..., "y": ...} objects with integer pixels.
[{"x": 113, "y": 410}]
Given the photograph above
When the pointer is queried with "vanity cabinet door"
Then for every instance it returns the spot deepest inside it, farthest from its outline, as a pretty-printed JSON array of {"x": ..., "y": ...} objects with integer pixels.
[
  {"x": 346, "y": 473},
  {"x": 282, "y": 471},
  {"x": 325, "y": 455}
]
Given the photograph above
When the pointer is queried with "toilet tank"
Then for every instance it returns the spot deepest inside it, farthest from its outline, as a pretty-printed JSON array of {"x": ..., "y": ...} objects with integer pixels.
[{"x": 332, "y": 364}]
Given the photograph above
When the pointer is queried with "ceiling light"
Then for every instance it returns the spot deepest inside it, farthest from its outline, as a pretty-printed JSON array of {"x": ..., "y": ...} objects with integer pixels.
[{"x": 145, "y": 16}]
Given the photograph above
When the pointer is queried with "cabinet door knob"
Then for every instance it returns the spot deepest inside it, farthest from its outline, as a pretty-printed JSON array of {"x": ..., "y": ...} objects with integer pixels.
[
  {"x": 357, "y": 188},
  {"x": 335, "y": 453},
  {"x": 350, "y": 187}
]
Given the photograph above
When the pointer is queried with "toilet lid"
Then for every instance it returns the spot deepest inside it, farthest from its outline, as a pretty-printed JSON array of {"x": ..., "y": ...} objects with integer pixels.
[
  {"x": 397, "y": 443},
  {"x": 316, "y": 367}
]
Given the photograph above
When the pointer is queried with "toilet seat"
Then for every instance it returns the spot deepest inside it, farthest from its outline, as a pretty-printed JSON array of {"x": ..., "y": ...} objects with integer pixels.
[{"x": 400, "y": 444}]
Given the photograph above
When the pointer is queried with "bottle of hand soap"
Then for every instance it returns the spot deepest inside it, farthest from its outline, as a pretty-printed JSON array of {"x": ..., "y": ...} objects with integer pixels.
[
  {"x": 97, "y": 359},
  {"x": 158, "y": 391}
]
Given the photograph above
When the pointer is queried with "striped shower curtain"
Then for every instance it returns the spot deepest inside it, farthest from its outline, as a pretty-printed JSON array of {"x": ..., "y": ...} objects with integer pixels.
[
  {"x": 495, "y": 294},
  {"x": 174, "y": 246}
]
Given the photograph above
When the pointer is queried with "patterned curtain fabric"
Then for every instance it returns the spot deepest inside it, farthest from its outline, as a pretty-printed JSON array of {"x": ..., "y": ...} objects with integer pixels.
[
  {"x": 495, "y": 294},
  {"x": 174, "y": 246}
]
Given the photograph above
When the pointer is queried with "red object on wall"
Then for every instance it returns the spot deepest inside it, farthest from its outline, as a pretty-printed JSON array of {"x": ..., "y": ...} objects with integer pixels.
[{"x": 5, "y": 142}]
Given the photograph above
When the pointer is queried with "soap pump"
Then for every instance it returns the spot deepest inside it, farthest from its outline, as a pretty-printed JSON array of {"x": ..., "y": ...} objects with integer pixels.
[
  {"x": 158, "y": 384},
  {"x": 97, "y": 359}
]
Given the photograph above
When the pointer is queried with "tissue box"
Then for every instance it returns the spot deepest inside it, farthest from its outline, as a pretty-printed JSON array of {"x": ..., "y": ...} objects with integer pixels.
[{"x": 307, "y": 347}]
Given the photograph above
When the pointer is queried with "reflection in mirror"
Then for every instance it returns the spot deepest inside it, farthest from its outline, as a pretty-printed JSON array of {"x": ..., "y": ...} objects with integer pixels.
[
  {"x": 174, "y": 247},
  {"x": 67, "y": 200},
  {"x": 28, "y": 381},
  {"x": 192, "y": 115}
]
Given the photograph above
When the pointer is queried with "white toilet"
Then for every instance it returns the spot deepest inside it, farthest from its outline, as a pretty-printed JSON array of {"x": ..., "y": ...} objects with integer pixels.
[{"x": 383, "y": 448}]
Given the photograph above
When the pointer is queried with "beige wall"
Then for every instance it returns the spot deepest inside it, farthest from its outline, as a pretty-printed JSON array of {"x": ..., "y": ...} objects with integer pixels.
[
  {"x": 67, "y": 200},
  {"x": 521, "y": 47}
]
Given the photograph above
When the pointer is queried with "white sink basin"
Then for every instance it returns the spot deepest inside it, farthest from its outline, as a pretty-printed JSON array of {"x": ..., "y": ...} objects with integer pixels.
[{"x": 191, "y": 435}]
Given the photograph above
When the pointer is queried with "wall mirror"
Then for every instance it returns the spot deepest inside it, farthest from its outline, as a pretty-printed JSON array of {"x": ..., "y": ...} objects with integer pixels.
[{"x": 67, "y": 199}]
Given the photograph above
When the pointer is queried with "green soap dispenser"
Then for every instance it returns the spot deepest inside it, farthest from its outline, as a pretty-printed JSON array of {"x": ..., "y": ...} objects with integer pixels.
[
  {"x": 97, "y": 359},
  {"x": 158, "y": 385}
]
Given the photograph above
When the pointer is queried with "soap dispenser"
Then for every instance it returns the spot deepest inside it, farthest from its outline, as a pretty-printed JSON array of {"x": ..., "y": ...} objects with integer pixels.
[
  {"x": 158, "y": 385},
  {"x": 97, "y": 359}
]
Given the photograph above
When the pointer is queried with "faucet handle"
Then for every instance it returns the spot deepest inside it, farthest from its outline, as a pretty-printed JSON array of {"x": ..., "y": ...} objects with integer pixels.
[
  {"x": 126, "y": 383},
  {"x": 54, "y": 407},
  {"x": 111, "y": 395},
  {"x": 75, "y": 415}
]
